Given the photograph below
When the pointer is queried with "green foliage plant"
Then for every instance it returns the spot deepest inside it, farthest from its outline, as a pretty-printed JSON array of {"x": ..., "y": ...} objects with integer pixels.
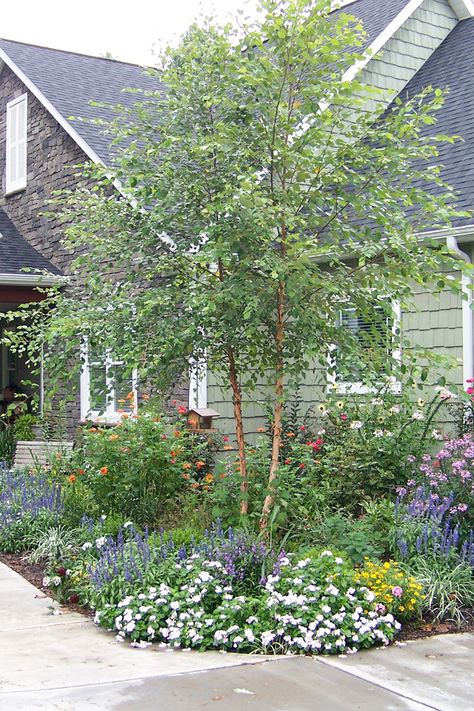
[
  {"x": 255, "y": 172},
  {"x": 448, "y": 589}
]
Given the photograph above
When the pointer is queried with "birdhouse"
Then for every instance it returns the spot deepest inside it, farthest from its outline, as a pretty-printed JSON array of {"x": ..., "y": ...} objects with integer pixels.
[{"x": 200, "y": 418}]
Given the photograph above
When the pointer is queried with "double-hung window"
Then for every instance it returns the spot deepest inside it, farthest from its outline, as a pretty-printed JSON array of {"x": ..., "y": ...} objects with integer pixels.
[
  {"x": 107, "y": 388},
  {"x": 375, "y": 334},
  {"x": 16, "y": 140}
]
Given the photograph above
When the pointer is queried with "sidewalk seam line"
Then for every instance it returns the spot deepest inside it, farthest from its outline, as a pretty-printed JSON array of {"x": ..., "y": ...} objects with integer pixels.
[{"x": 379, "y": 685}]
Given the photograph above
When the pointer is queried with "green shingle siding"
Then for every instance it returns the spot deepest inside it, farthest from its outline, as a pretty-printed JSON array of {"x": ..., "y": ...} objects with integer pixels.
[{"x": 409, "y": 48}]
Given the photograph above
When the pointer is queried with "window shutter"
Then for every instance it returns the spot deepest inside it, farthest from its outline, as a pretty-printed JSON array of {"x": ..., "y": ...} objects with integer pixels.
[{"x": 16, "y": 157}]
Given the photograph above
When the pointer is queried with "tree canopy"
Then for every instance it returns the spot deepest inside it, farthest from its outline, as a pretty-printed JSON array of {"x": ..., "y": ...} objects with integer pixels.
[{"x": 259, "y": 194}]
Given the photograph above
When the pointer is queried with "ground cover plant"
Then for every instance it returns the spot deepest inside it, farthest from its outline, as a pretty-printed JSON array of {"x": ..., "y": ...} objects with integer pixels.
[{"x": 333, "y": 588}]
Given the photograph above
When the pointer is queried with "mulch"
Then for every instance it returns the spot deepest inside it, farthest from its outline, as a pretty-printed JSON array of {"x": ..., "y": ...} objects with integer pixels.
[
  {"x": 417, "y": 629},
  {"x": 35, "y": 573}
]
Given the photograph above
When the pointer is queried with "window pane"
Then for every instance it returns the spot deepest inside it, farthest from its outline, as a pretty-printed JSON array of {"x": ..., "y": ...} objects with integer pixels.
[
  {"x": 98, "y": 388},
  {"x": 373, "y": 333},
  {"x": 122, "y": 384}
]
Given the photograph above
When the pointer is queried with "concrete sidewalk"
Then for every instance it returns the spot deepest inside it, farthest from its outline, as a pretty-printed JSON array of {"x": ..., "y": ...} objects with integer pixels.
[{"x": 64, "y": 662}]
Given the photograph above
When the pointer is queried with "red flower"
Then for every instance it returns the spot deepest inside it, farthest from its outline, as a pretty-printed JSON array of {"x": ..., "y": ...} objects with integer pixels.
[
  {"x": 287, "y": 461},
  {"x": 302, "y": 428},
  {"x": 182, "y": 410},
  {"x": 61, "y": 572},
  {"x": 74, "y": 599},
  {"x": 225, "y": 438},
  {"x": 343, "y": 417}
]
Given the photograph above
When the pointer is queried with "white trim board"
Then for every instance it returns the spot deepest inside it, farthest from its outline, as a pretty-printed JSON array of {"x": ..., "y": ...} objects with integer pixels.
[
  {"x": 52, "y": 110},
  {"x": 31, "y": 279}
]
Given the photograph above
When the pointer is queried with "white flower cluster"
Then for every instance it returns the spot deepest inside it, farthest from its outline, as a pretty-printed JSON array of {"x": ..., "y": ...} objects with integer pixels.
[{"x": 307, "y": 607}]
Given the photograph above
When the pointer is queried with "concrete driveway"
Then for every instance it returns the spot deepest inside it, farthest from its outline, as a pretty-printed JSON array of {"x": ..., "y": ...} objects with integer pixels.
[{"x": 64, "y": 662}]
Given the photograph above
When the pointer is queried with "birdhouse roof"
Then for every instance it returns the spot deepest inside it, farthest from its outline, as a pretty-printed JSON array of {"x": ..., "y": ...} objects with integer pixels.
[{"x": 204, "y": 412}]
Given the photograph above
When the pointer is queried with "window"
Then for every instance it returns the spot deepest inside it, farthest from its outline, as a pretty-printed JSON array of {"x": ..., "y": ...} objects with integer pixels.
[
  {"x": 16, "y": 158},
  {"x": 376, "y": 333},
  {"x": 107, "y": 391}
]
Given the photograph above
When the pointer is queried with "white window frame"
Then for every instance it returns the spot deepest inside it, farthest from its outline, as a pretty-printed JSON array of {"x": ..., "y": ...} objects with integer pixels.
[
  {"x": 15, "y": 172},
  {"x": 197, "y": 384},
  {"x": 109, "y": 414},
  {"x": 359, "y": 388}
]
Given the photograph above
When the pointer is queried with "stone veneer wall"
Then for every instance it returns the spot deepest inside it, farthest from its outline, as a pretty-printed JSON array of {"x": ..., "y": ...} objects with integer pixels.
[{"x": 52, "y": 156}]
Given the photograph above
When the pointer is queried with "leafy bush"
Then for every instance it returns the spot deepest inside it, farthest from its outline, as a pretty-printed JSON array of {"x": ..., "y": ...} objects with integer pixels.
[
  {"x": 140, "y": 466},
  {"x": 7, "y": 443},
  {"x": 23, "y": 427},
  {"x": 371, "y": 441}
]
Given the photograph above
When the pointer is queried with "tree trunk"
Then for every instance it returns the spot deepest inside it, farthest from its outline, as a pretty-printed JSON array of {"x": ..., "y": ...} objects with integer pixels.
[
  {"x": 278, "y": 411},
  {"x": 239, "y": 430}
]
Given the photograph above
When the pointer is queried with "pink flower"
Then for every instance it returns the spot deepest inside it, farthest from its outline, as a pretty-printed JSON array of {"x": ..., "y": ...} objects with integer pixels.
[
  {"x": 302, "y": 428},
  {"x": 397, "y": 591},
  {"x": 470, "y": 390},
  {"x": 343, "y": 417}
]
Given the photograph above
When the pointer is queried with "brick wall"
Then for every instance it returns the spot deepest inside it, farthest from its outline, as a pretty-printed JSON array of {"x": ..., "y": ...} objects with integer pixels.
[{"x": 52, "y": 157}]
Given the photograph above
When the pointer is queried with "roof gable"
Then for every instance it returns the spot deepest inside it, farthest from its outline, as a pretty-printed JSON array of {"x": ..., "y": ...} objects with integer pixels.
[{"x": 66, "y": 83}]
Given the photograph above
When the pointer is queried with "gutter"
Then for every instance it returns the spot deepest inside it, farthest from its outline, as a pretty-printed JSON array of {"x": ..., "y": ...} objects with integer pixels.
[
  {"x": 467, "y": 313},
  {"x": 31, "y": 279}
]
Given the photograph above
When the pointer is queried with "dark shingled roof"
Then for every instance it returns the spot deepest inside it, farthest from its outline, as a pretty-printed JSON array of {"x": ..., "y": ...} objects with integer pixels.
[
  {"x": 451, "y": 67},
  {"x": 70, "y": 81},
  {"x": 16, "y": 253},
  {"x": 376, "y": 15}
]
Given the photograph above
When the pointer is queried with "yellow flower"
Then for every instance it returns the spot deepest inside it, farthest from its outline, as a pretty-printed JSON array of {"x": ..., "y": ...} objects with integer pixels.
[{"x": 340, "y": 404}]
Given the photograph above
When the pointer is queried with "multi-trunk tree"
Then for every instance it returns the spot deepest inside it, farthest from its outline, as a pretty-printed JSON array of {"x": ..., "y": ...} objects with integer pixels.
[{"x": 260, "y": 194}]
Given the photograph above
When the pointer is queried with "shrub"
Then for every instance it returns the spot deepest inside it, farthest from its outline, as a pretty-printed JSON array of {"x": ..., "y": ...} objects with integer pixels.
[{"x": 140, "y": 466}]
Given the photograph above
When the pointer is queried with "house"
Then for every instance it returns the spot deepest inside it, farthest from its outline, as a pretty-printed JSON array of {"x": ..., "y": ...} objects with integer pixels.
[{"x": 410, "y": 43}]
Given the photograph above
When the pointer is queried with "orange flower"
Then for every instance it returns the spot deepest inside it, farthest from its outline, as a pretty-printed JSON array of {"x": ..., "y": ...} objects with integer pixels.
[
  {"x": 124, "y": 416},
  {"x": 209, "y": 478},
  {"x": 260, "y": 429},
  {"x": 227, "y": 447},
  {"x": 194, "y": 485},
  {"x": 177, "y": 433},
  {"x": 187, "y": 465},
  {"x": 200, "y": 464},
  {"x": 145, "y": 396},
  {"x": 130, "y": 395},
  {"x": 113, "y": 437},
  {"x": 80, "y": 471},
  {"x": 223, "y": 475},
  {"x": 104, "y": 470},
  {"x": 185, "y": 475},
  {"x": 290, "y": 434},
  {"x": 72, "y": 478},
  {"x": 92, "y": 429}
]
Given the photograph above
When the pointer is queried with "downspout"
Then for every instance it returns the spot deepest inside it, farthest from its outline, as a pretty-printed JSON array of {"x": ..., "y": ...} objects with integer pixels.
[{"x": 467, "y": 314}]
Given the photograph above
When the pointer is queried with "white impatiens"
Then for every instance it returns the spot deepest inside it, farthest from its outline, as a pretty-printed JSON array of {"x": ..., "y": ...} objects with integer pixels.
[{"x": 305, "y": 606}]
